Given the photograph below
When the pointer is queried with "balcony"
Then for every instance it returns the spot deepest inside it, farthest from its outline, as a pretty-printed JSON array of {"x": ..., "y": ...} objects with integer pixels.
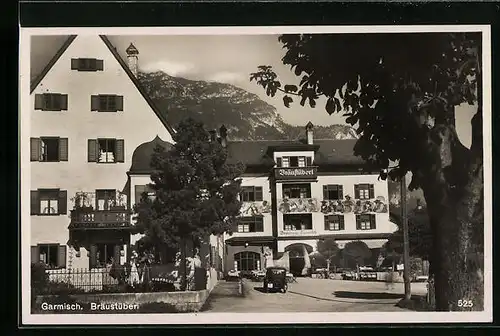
[
  {"x": 295, "y": 173},
  {"x": 100, "y": 219}
]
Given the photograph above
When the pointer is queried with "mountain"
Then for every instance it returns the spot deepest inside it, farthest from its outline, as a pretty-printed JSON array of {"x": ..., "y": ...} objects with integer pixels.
[{"x": 246, "y": 116}]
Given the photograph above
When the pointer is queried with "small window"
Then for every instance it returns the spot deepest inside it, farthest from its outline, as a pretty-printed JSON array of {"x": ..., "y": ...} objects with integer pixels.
[
  {"x": 365, "y": 222},
  {"x": 87, "y": 64},
  {"x": 364, "y": 191},
  {"x": 107, "y": 150},
  {"x": 141, "y": 189},
  {"x": 251, "y": 224},
  {"x": 103, "y": 254},
  {"x": 49, "y": 202},
  {"x": 51, "y": 102},
  {"x": 49, "y": 149},
  {"x": 106, "y": 103},
  {"x": 294, "y": 161},
  {"x": 334, "y": 223},
  {"x": 333, "y": 192},
  {"x": 52, "y": 255},
  {"x": 251, "y": 194},
  {"x": 297, "y": 190},
  {"x": 285, "y": 162},
  {"x": 297, "y": 222}
]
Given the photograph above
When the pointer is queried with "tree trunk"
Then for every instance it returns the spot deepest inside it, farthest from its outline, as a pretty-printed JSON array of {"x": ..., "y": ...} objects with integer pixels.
[
  {"x": 184, "y": 265},
  {"x": 453, "y": 189}
]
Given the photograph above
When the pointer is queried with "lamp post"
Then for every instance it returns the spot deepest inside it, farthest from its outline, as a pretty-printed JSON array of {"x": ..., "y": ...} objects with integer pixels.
[{"x": 406, "y": 240}]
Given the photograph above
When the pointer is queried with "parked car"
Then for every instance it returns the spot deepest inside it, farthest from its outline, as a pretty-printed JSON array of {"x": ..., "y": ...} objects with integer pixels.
[{"x": 275, "y": 280}]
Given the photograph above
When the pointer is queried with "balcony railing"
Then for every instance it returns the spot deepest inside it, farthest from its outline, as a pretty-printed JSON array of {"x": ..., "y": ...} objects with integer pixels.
[
  {"x": 83, "y": 218},
  {"x": 295, "y": 173}
]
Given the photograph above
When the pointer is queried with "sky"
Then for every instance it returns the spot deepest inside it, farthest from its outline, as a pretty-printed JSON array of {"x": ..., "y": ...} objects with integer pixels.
[{"x": 222, "y": 58}]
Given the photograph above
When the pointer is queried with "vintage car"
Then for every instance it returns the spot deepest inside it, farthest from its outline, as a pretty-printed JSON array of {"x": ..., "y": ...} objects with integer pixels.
[{"x": 275, "y": 280}]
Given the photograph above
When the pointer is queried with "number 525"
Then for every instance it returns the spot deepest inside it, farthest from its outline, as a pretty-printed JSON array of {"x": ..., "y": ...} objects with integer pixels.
[{"x": 465, "y": 303}]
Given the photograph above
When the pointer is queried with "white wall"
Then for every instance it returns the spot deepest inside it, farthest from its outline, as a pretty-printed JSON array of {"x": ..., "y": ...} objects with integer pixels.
[{"x": 79, "y": 124}]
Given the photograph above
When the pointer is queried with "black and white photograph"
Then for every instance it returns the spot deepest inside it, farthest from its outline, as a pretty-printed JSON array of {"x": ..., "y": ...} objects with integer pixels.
[{"x": 257, "y": 175}]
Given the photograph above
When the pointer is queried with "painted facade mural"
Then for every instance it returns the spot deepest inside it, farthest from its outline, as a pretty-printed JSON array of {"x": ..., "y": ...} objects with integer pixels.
[
  {"x": 255, "y": 208},
  {"x": 348, "y": 205},
  {"x": 298, "y": 205}
]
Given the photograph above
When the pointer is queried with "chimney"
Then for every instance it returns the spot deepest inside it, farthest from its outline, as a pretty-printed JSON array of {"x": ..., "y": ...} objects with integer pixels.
[
  {"x": 133, "y": 59},
  {"x": 213, "y": 135},
  {"x": 309, "y": 133},
  {"x": 223, "y": 135}
]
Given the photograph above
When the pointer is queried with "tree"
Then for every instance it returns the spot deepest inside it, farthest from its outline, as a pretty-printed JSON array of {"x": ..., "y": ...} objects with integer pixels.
[
  {"x": 419, "y": 234},
  {"x": 328, "y": 249},
  {"x": 356, "y": 252},
  {"x": 196, "y": 193},
  {"x": 400, "y": 91}
]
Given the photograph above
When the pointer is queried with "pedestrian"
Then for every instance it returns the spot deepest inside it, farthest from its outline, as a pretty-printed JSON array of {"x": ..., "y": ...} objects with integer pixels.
[{"x": 390, "y": 278}]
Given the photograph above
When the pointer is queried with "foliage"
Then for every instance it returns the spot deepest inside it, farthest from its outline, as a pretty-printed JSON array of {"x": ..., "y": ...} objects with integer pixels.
[
  {"x": 328, "y": 248},
  {"x": 356, "y": 253},
  {"x": 400, "y": 92},
  {"x": 39, "y": 278},
  {"x": 419, "y": 234},
  {"x": 196, "y": 192}
]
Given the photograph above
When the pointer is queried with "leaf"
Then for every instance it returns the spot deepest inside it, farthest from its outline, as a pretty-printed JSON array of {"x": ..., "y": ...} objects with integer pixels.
[
  {"x": 303, "y": 100},
  {"x": 291, "y": 88},
  {"x": 330, "y": 106},
  {"x": 287, "y": 100},
  {"x": 312, "y": 102}
]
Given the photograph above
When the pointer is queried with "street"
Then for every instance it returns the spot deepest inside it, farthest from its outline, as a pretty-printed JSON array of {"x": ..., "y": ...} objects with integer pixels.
[{"x": 316, "y": 295}]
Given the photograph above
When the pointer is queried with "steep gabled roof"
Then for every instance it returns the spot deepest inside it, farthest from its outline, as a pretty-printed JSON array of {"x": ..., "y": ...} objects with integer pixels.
[{"x": 124, "y": 66}]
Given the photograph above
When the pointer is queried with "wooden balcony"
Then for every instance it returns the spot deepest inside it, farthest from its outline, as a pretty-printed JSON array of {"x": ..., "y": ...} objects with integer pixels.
[{"x": 83, "y": 219}]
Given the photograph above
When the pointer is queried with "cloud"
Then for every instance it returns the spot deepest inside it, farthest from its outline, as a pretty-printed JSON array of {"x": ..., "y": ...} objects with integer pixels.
[
  {"x": 226, "y": 77},
  {"x": 170, "y": 68}
]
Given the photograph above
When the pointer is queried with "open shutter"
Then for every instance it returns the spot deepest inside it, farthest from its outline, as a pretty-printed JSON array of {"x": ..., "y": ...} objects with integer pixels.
[
  {"x": 35, "y": 145},
  {"x": 325, "y": 192},
  {"x": 341, "y": 192},
  {"x": 35, "y": 202},
  {"x": 93, "y": 256},
  {"x": 258, "y": 194},
  {"x": 74, "y": 63},
  {"x": 358, "y": 222},
  {"x": 120, "y": 150},
  {"x": 279, "y": 162},
  {"x": 63, "y": 102},
  {"x": 116, "y": 254},
  {"x": 119, "y": 103},
  {"x": 99, "y": 65},
  {"x": 373, "y": 224},
  {"x": 94, "y": 103},
  {"x": 308, "y": 161},
  {"x": 35, "y": 254},
  {"x": 38, "y": 101},
  {"x": 61, "y": 256},
  {"x": 63, "y": 202},
  {"x": 63, "y": 149},
  {"x": 92, "y": 150},
  {"x": 356, "y": 191},
  {"x": 341, "y": 222},
  {"x": 327, "y": 224},
  {"x": 372, "y": 191},
  {"x": 260, "y": 224}
]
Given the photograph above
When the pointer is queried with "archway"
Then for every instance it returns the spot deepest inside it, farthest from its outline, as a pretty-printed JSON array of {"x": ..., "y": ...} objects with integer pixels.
[
  {"x": 297, "y": 258},
  {"x": 247, "y": 261}
]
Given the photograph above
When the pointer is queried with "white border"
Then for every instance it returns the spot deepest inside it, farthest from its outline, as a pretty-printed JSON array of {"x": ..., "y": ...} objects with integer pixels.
[{"x": 246, "y": 318}]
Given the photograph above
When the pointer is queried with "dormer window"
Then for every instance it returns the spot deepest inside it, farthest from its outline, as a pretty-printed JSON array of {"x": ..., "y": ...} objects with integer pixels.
[
  {"x": 87, "y": 64},
  {"x": 294, "y": 161}
]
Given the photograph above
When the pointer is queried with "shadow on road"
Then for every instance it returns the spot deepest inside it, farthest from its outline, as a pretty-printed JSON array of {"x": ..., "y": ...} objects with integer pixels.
[
  {"x": 259, "y": 289},
  {"x": 368, "y": 296},
  {"x": 335, "y": 300}
]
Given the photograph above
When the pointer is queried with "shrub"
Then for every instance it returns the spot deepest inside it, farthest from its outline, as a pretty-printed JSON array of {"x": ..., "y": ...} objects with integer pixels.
[{"x": 39, "y": 278}]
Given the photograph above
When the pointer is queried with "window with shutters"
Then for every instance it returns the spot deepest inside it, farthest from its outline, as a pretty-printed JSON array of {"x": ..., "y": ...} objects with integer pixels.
[
  {"x": 295, "y": 222},
  {"x": 51, "y": 202},
  {"x": 294, "y": 161},
  {"x": 106, "y": 103},
  {"x": 334, "y": 223},
  {"x": 251, "y": 194},
  {"x": 364, "y": 191},
  {"x": 105, "y": 199},
  {"x": 106, "y": 150},
  {"x": 141, "y": 189},
  {"x": 333, "y": 192},
  {"x": 87, "y": 64},
  {"x": 52, "y": 255},
  {"x": 49, "y": 149},
  {"x": 51, "y": 102},
  {"x": 302, "y": 190},
  {"x": 251, "y": 224},
  {"x": 365, "y": 222}
]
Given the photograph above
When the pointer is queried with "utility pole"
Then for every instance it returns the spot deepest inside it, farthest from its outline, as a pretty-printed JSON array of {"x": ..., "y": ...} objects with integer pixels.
[{"x": 406, "y": 240}]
